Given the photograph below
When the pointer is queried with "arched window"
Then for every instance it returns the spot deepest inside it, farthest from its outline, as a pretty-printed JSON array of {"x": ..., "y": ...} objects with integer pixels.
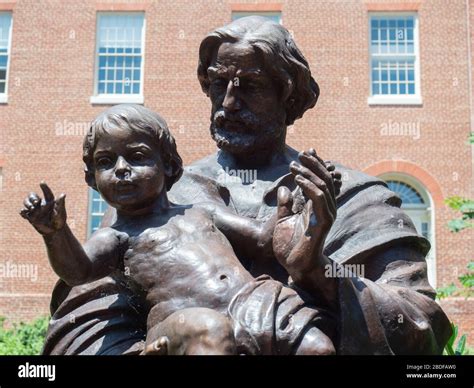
[
  {"x": 408, "y": 194},
  {"x": 417, "y": 204}
]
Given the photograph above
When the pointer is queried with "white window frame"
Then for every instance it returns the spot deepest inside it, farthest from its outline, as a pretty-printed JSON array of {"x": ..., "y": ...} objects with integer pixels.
[
  {"x": 412, "y": 99},
  {"x": 108, "y": 99},
  {"x": 4, "y": 95},
  {"x": 257, "y": 13},
  {"x": 424, "y": 215}
]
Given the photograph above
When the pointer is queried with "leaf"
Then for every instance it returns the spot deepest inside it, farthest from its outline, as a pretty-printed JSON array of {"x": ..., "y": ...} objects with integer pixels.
[
  {"x": 458, "y": 224},
  {"x": 467, "y": 280},
  {"x": 444, "y": 292},
  {"x": 461, "y": 345},
  {"x": 453, "y": 335},
  {"x": 455, "y": 202},
  {"x": 449, "y": 350}
]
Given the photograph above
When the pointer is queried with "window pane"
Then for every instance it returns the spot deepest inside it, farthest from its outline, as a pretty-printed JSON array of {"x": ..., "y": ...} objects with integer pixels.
[
  {"x": 97, "y": 209},
  {"x": 375, "y": 75},
  {"x": 375, "y": 88},
  {"x": 136, "y": 88},
  {"x": 5, "y": 26},
  {"x": 375, "y": 35},
  {"x": 121, "y": 35}
]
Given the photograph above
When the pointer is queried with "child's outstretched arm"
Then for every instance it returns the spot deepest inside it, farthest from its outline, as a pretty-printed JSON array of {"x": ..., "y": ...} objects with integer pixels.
[{"x": 71, "y": 262}]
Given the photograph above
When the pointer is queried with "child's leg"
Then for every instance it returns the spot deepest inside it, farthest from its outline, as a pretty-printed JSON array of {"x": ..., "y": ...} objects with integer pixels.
[{"x": 192, "y": 331}]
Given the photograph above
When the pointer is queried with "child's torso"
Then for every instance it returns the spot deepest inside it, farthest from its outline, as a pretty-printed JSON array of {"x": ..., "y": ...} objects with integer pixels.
[{"x": 185, "y": 262}]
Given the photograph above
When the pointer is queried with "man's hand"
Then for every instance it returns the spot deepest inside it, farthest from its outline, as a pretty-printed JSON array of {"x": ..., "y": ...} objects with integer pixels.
[
  {"x": 47, "y": 215},
  {"x": 300, "y": 234}
]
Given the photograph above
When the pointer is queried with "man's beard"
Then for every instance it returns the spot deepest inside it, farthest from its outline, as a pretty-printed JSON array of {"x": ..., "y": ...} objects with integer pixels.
[{"x": 242, "y": 132}]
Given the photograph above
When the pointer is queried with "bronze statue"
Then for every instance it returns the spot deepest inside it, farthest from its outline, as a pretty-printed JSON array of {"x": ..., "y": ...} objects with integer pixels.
[
  {"x": 195, "y": 287},
  {"x": 259, "y": 83}
]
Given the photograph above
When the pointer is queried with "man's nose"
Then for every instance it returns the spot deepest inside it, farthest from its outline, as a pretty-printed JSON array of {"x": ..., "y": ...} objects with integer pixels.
[
  {"x": 121, "y": 166},
  {"x": 231, "y": 101}
]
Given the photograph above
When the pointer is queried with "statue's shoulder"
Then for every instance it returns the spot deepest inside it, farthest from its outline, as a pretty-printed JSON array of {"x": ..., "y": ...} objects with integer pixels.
[
  {"x": 199, "y": 183},
  {"x": 207, "y": 167}
]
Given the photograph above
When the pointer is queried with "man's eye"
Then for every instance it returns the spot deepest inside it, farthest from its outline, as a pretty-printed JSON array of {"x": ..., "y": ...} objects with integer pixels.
[
  {"x": 138, "y": 156},
  {"x": 253, "y": 85},
  {"x": 219, "y": 82},
  {"x": 103, "y": 162}
]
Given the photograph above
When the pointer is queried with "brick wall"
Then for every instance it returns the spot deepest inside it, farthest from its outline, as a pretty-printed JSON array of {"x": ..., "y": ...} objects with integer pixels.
[{"x": 51, "y": 80}]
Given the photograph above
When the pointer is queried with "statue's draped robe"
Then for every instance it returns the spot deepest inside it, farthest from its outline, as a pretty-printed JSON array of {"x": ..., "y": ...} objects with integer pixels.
[{"x": 391, "y": 310}]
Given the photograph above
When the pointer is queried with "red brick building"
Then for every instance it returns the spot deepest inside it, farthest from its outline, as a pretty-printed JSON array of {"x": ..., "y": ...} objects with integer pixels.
[{"x": 396, "y": 102}]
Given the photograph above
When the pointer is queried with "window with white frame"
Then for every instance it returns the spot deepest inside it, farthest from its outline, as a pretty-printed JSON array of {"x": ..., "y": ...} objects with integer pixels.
[
  {"x": 394, "y": 59},
  {"x": 119, "y": 57},
  {"x": 417, "y": 204},
  {"x": 275, "y": 16},
  {"x": 97, "y": 208},
  {"x": 5, "y": 36}
]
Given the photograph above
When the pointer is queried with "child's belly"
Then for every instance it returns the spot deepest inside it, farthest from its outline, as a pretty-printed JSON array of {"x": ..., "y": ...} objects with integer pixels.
[{"x": 178, "y": 269}]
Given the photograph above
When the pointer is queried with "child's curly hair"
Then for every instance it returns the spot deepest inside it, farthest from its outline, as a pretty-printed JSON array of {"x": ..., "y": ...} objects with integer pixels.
[{"x": 135, "y": 118}]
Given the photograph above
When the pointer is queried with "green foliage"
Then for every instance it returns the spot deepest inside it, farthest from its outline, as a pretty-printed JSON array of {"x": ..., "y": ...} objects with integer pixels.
[
  {"x": 23, "y": 338},
  {"x": 444, "y": 292},
  {"x": 467, "y": 285},
  {"x": 453, "y": 349},
  {"x": 464, "y": 206}
]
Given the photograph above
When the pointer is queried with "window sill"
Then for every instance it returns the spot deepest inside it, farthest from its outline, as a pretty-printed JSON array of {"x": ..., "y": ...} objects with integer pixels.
[
  {"x": 117, "y": 99},
  {"x": 3, "y": 98},
  {"x": 395, "y": 100}
]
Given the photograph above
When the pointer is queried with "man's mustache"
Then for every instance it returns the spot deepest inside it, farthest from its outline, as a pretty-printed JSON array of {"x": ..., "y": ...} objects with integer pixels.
[{"x": 245, "y": 118}]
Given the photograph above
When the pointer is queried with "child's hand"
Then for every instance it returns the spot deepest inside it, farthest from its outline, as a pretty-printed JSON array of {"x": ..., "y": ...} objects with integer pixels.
[{"x": 47, "y": 215}]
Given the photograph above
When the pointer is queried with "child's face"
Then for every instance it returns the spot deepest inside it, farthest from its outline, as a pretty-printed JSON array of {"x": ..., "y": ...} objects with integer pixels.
[{"x": 129, "y": 173}]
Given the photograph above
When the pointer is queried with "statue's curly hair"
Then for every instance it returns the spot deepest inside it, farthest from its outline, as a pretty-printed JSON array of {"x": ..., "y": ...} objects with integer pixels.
[
  {"x": 135, "y": 118},
  {"x": 281, "y": 57}
]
